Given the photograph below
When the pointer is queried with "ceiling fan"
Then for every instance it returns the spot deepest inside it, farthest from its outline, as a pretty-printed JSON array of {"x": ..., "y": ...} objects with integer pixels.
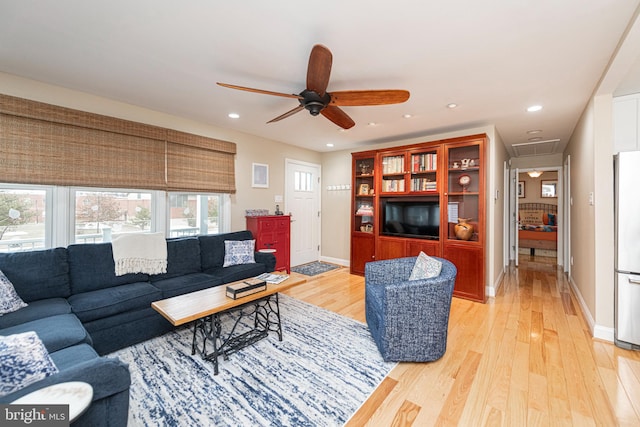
[{"x": 317, "y": 100}]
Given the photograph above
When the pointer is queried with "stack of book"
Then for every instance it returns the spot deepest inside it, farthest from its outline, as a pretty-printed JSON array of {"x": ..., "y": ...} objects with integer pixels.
[{"x": 247, "y": 287}]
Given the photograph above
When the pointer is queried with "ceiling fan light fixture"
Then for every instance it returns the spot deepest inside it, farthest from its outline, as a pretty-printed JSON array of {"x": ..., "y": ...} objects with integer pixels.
[
  {"x": 534, "y": 174},
  {"x": 314, "y": 107}
]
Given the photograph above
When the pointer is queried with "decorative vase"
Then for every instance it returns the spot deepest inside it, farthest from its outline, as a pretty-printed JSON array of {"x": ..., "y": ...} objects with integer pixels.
[{"x": 463, "y": 229}]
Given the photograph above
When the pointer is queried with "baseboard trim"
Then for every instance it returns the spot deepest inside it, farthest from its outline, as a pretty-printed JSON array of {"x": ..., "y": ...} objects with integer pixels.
[
  {"x": 600, "y": 332},
  {"x": 338, "y": 261},
  {"x": 493, "y": 289}
]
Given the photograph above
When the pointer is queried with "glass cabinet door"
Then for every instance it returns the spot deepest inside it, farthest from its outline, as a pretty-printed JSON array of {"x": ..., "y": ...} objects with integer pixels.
[
  {"x": 463, "y": 192},
  {"x": 364, "y": 191}
]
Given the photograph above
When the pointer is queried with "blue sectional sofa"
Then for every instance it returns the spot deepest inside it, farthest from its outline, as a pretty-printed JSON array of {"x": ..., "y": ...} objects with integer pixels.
[{"x": 82, "y": 311}]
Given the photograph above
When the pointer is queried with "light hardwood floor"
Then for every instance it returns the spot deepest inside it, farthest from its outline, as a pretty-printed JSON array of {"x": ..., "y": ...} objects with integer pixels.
[{"x": 526, "y": 357}]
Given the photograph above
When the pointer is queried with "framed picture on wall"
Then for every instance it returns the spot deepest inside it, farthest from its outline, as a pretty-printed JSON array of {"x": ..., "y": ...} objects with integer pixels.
[
  {"x": 260, "y": 176},
  {"x": 520, "y": 189}
]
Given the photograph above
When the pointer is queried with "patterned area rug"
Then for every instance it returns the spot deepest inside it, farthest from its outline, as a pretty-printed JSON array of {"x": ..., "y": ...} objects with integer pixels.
[
  {"x": 319, "y": 375},
  {"x": 314, "y": 268}
]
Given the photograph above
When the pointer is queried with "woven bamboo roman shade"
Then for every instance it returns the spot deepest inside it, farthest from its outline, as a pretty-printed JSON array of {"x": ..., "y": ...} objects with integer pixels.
[{"x": 46, "y": 144}]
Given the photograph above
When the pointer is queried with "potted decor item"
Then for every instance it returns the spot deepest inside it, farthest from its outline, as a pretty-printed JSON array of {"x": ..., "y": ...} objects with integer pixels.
[{"x": 463, "y": 229}]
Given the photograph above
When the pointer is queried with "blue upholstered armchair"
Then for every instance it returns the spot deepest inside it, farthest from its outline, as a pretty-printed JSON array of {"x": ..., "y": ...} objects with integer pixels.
[{"x": 408, "y": 319}]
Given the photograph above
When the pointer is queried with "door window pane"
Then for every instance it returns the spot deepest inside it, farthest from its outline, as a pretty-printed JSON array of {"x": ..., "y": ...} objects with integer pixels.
[
  {"x": 22, "y": 219},
  {"x": 302, "y": 181},
  {"x": 99, "y": 215}
]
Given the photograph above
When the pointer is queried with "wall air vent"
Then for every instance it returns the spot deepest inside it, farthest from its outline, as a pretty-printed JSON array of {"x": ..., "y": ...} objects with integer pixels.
[{"x": 538, "y": 148}]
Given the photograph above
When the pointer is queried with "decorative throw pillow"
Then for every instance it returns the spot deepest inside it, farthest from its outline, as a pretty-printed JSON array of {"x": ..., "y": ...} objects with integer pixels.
[
  {"x": 239, "y": 252},
  {"x": 552, "y": 219},
  {"x": 24, "y": 360},
  {"x": 9, "y": 298},
  {"x": 425, "y": 267},
  {"x": 531, "y": 217}
]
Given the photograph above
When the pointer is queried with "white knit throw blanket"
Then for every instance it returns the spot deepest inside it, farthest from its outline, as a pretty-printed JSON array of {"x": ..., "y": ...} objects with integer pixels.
[{"x": 140, "y": 253}]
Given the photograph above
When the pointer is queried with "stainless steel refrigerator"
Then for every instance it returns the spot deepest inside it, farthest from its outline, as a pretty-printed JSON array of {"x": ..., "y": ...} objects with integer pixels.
[{"x": 627, "y": 254}]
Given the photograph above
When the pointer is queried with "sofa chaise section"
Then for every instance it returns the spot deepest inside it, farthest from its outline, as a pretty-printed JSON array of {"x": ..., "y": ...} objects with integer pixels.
[{"x": 102, "y": 300}]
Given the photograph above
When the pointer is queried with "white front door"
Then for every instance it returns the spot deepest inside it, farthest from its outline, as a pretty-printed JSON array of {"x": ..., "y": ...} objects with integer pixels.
[{"x": 302, "y": 200}]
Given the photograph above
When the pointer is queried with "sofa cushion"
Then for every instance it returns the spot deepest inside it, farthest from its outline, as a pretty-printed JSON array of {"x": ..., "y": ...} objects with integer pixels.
[
  {"x": 237, "y": 272},
  {"x": 24, "y": 361},
  {"x": 10, "y": 301},
  {"x": 183, "y": 257},
  {"x": 212, "y": 247},
  {"x": 185, "y": 284},
  {"x": 56, "y": 332},
  {"x": 91, "y": 267},
  {"x": 239, "y": 252},
  {"x": 101, "y": 303},
  {"x": 38, "y": 274},
  {"x": 36, "y": 310}
]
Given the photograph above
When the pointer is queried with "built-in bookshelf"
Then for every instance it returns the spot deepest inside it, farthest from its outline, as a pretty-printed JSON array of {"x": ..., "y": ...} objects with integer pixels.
[{"x": 418, "y": 198}]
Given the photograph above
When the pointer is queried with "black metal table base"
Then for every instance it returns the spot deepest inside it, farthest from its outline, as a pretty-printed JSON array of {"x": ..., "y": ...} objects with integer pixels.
[{"x": 266, "y": 318}]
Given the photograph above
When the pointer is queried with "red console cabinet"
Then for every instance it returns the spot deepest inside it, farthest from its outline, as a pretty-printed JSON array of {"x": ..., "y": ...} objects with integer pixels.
[{"x": 273, "y": 232}]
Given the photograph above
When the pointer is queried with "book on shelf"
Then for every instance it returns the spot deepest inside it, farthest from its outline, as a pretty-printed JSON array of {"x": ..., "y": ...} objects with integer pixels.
[
  {"x": 246, "y": 287},
  {"x": 273, "y": 278}
]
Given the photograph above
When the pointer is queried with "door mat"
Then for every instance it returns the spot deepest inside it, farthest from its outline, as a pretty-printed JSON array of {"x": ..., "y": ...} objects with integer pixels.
[{"x": 314, "y": 268}]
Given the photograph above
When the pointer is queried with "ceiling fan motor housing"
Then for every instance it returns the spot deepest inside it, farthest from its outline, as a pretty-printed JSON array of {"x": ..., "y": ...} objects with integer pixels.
[{"x": 313, "y": 102}]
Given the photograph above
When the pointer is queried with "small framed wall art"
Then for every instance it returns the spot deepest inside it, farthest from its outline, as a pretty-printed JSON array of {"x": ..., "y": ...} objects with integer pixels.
[
  {"x": 520, "y": 189},
  {"x": 260, "y": 175}
]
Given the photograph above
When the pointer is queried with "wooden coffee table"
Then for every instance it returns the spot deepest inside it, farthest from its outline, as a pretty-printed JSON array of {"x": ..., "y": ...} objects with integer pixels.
[{"x": 204, "y": 308}]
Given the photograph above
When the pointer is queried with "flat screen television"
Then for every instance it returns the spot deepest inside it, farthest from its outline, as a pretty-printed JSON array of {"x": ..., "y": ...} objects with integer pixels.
[{"x": 411, "y": 218}]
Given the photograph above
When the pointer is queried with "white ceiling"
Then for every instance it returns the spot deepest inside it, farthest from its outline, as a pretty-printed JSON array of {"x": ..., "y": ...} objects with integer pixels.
[{"x": 493, "y": 58}]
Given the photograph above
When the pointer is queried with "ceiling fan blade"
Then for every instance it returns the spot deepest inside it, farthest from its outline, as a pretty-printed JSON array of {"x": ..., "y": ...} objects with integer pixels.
[
  {"x": 354, "y": 98},
  {"x": 319, "y": 69},
  {"x": 265, "y": 92},
  {"x": 339, "y": 117},
  {"x": 287, "y": 114}
]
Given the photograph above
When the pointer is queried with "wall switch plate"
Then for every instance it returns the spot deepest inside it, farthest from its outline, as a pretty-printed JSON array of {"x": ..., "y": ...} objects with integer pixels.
[{"x": 278, "y": 198}]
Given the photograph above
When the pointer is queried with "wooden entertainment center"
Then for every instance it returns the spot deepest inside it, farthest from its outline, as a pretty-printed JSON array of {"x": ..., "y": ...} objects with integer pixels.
[{"x": 426, "y": 197}]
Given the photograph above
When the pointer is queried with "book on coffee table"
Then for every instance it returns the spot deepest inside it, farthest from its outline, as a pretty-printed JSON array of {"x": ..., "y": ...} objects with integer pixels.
[
  {"x": 244, "y": 288},
  {"x": 273, "y": 278}
]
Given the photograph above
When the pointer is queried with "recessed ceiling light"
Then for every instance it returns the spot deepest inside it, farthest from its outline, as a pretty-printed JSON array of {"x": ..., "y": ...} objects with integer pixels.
[
  {"x": 534, "y": 108},
  {"x": 452, "y": 105},
  {"x": 372, "y": 123},
  {"x": 329, "y": 144},
  {"x": 407, "y": 116},
  {"x": 534, "y": 131},
  {"x": 535, "y": 138},
  {"x": 234, "y": 115}
]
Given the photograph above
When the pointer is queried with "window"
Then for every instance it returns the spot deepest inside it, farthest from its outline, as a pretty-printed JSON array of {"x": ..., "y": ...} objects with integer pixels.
[
  {"x": 36, "y": 217},
  {"x": 193, "y": 214},
  {"x": 23, "y": 217},
  {"x": 101, "y": 214}
]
